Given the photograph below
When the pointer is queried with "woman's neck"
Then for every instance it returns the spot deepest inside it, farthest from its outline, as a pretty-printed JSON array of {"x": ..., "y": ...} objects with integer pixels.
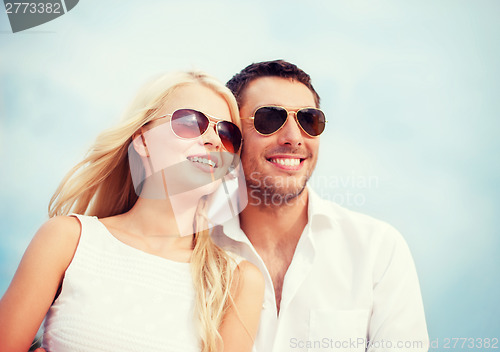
[{"x": 173, "y": 217}]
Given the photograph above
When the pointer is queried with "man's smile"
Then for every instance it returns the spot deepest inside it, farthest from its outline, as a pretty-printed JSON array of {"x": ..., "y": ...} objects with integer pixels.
[{"x": 287, "y": 162}]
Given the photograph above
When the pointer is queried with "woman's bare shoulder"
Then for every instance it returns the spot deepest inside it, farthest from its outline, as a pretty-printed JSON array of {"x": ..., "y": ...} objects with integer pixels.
[
  {"x": 250, "y": 277},
  {"x": 60, "y": 233},
  {"x": 62, "y": 227}
]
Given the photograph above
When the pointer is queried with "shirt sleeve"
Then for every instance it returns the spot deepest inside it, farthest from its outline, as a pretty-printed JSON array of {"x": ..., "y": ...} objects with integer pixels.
[{"x": 398, "y": 320}]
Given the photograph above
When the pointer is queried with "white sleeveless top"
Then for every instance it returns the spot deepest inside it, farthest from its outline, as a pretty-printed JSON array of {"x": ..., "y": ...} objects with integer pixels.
[{"x": 115, "y": 297}]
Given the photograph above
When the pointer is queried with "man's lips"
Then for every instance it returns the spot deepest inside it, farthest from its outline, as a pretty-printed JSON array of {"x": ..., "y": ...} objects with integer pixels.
[{"x": 287, "y": 162}]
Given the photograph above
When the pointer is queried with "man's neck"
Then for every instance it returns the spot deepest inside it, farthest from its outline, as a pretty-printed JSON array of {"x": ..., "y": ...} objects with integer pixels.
[
  {"x": 274, "y": 233},
  {"x": 268, "y": 225}
]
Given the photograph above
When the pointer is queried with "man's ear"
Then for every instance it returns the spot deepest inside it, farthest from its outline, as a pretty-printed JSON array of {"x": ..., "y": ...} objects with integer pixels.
[{"x": 139, "y": 142}]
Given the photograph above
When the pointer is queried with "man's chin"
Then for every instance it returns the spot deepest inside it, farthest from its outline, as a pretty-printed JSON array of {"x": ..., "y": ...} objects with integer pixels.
[
  {"x": 294, "y": 193},
  {"x": 274, "y": 196}
]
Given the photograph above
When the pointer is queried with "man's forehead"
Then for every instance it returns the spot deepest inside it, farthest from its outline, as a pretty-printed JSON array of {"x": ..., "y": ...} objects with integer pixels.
[{"x": 280, "y": 91}]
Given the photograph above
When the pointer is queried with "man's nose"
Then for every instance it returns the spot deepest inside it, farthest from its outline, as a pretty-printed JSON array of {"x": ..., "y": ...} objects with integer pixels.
[{"x": 291, "y": 133}]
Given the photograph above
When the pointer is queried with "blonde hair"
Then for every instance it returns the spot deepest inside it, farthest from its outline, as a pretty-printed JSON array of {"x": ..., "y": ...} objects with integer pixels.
[{"x": 101, "y": 185}]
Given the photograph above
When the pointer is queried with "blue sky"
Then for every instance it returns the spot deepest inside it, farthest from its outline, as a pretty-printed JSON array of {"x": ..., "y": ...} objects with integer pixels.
[{"x": 410, "y": 89}]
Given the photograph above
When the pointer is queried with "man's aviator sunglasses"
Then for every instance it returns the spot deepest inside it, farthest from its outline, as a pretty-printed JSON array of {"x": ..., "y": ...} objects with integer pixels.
[
  {"x": 270, "y": 119},
  {"x": 190, "y": 124}
]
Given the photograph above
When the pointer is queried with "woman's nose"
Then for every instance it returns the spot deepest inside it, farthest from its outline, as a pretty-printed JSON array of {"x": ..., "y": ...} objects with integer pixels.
[{"x": 211, "y": 139}]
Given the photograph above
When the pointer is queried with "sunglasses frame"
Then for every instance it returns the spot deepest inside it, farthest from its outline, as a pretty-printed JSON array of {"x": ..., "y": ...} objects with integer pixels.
[
  {"x": 287, "y": 114},
  {"x": 210, "y": 122}
]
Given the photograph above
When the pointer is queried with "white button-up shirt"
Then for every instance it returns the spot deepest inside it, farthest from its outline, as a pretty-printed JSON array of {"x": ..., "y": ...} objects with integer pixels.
[{"x": 351, "y": 286}]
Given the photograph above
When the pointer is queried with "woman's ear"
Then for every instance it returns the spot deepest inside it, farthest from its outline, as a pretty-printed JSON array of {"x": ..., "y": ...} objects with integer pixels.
[{"x": 139, "y": 142}]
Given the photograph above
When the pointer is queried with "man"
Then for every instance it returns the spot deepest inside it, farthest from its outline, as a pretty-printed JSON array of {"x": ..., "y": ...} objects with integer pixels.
[{"x": 335, "y": 279}]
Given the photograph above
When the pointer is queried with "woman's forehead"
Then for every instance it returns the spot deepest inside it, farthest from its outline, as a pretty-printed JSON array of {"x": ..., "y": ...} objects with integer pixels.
[{"x": 197, "y": 97}]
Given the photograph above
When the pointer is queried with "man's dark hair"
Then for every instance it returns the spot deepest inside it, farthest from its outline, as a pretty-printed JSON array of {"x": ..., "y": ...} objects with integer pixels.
[{"x": 275, "y": 68}]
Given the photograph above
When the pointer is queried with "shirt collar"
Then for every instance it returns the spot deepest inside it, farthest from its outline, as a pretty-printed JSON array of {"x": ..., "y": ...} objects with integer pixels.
[
  {"x": 320, "y": 211},
  {"x": 321, "y": 214},
  {"x": 232, "y": 230}
]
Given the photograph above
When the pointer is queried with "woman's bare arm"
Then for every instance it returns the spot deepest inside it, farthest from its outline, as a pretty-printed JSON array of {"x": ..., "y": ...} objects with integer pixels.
[
  {"x": 36, "y": 282},
  {"x": 241, "y": 321}
]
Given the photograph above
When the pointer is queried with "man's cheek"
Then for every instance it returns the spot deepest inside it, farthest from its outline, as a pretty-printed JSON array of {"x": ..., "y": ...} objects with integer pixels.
[{"x": 255, "y": 179}]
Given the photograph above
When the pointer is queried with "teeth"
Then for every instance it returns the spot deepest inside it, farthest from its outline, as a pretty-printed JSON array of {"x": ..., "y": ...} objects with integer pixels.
[
  {"x": 286, "y": 162},
  {"x": 202, "y": 161}
]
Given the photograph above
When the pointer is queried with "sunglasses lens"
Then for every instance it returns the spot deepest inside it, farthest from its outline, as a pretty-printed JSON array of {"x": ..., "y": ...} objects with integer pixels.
[
  {"x": 269, "y": 119},
  {"x": 230, "y": 136},
  {"x": 187, "y": 123},
  {"x": 312, "y": 121}
]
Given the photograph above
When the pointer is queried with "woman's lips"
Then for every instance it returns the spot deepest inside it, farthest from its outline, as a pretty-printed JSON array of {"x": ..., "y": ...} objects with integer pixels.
[{"x": 205, "y": 163}]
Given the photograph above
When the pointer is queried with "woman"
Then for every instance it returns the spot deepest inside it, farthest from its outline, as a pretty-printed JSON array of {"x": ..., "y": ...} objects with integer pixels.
[{"x": 140, "y": 272}]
